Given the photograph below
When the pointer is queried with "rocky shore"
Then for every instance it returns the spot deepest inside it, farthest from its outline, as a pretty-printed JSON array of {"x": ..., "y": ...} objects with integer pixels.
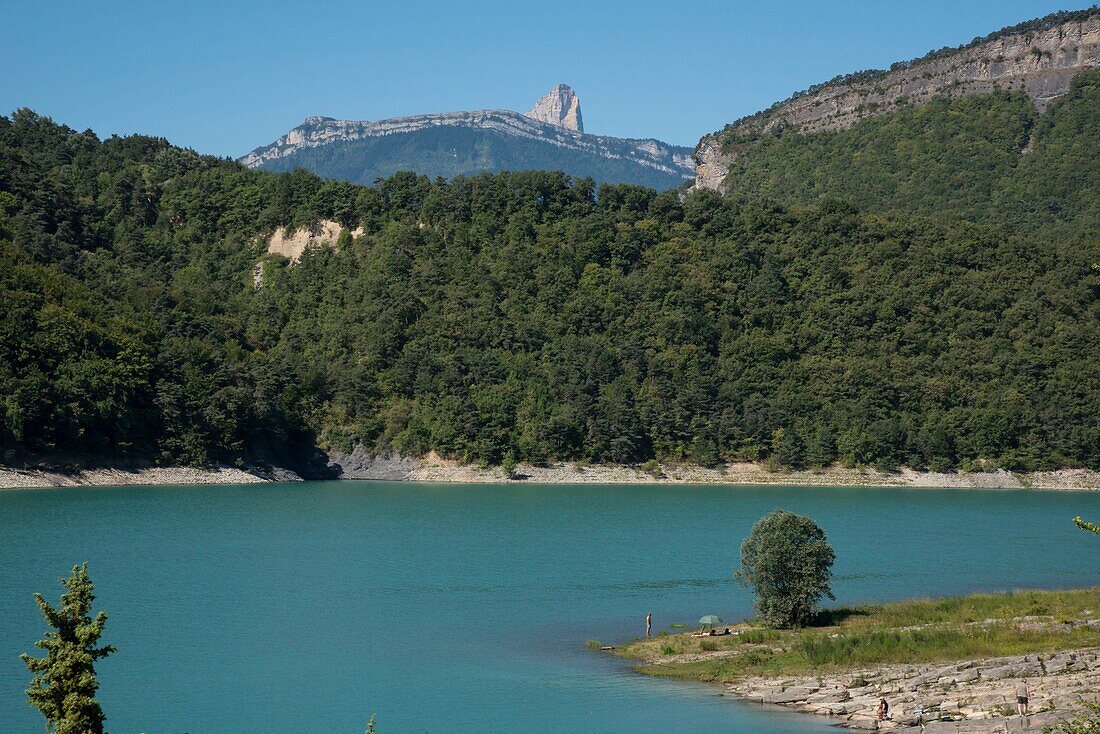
[
  {"x": 359, "y": 464},
  {"x": 13, "y": 478},
  {"x": 433, "y": 468},
  {"x": 967, "y": 696}
]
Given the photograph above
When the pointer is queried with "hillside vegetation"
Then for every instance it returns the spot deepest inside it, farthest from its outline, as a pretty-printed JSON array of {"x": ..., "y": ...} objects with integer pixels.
[
  {"x": 989, "y": 158},
  {"x": 529, "y": 315}
]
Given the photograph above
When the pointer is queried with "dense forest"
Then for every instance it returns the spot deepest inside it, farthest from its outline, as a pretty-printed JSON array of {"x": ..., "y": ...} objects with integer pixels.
[
  {"x": 987, "y": 158},
  {"x": 531, "y": 315}
]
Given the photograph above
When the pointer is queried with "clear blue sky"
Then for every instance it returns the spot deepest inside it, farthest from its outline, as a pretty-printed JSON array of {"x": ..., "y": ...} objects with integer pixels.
[{"x": 225, "y": 77}]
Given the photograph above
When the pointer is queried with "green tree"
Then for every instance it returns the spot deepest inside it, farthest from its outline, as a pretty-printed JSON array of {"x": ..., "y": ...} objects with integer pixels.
[
  {"x": 821, "y": 450},
  {"x": 787, "y": 561},
  {"x": 64, "y": 683},
  {"x": 508, "y": 465},
  {"x": 787, "y": 448}
]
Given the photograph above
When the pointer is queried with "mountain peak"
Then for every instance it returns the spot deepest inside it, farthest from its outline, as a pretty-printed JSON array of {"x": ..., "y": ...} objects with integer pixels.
[{"x": 560, "y": 106}]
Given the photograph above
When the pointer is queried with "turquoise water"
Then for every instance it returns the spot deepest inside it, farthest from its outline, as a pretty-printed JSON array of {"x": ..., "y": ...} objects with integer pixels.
[{"x": 443, "y": 608}]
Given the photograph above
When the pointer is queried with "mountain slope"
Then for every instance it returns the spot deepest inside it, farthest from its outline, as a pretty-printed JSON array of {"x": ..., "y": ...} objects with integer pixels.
[
  {"x": 965, "y": 129},
  {"x": 990, "y": 158},
  {"x": 549, "y": 137},
  {"x": 520, "y": 314}
]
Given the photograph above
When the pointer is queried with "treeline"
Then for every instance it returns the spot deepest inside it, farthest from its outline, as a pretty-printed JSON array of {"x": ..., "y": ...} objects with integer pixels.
[{"x": 524, "y": 316}]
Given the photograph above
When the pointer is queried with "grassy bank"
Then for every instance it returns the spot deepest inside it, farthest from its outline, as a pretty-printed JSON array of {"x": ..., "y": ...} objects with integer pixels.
[{"x": 924, "y": 630}]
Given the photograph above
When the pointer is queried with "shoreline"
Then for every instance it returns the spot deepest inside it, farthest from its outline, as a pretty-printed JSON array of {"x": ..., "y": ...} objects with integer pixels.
[
  {"x": 942, "y": 665},
  {"x": 972, "y": 696},
  {"x": 433, "y": 468},
  {"x": 12, "y": 478}
]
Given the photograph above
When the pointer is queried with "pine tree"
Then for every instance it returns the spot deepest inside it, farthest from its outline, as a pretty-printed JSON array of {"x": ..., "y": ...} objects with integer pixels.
[{"x": 64, "y": 683}]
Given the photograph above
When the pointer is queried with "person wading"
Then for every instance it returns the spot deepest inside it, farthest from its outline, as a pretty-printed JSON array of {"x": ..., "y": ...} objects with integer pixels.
[{"x": 648, "y": 623}]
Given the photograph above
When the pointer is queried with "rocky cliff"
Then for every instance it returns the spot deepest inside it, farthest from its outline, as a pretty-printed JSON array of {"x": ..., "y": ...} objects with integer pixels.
[
  {"x": 560, "y": 107},
  {"x": 1040, "y": 57},
  {"x": 446, "y": 144}
]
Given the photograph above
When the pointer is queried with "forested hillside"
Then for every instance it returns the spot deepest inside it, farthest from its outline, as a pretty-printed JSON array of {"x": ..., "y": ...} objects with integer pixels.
[
  {"x": 528, "y": 314},
  {"x": 989, "y": 158}
]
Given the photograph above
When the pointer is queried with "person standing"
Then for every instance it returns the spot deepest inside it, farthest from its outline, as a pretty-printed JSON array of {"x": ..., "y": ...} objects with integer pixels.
[
  {"x": 648, "y": 623},
  {"x": 1023, "y": 696}
]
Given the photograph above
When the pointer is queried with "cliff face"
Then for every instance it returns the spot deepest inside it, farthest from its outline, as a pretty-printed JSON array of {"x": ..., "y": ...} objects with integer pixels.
[
  {"x": 560, "y": 107},
  {"x": 1041, "y": 60}
]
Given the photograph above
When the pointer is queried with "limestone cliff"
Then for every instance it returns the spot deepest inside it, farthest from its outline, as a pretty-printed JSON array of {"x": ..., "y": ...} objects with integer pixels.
[
  {"x": 1039, "y": 57},
  {"x": 560, "y": 107}
]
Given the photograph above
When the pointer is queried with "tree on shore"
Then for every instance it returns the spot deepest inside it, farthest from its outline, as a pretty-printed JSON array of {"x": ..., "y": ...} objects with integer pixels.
[
  {"x": 787, "y": 561},
  {"x": 64, "y": 683},
  {"x": 508, "y": 465}
]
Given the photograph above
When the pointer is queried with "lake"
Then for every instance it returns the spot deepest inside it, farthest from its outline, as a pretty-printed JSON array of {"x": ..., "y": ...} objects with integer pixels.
[{"x": 306, "y": 607}]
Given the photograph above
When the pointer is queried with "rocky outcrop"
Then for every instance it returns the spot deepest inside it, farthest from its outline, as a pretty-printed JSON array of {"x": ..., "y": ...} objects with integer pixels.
[
  {"x": 293, "y": 244},
  {"x": 560, "y": 107},
  {"x": 362, "y": 464},
  {"x": 711, "y": 164},
  {"x": 1039, "y": 58},
  {"x": 965, "y": 696}
]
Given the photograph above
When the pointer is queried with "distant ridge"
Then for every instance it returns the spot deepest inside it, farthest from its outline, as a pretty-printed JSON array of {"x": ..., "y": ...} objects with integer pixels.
[{"x": 549, "y": 137}]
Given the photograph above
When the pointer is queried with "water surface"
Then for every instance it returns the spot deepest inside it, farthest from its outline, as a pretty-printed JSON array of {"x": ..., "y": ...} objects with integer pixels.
[{"x": 442, "y": 608}]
